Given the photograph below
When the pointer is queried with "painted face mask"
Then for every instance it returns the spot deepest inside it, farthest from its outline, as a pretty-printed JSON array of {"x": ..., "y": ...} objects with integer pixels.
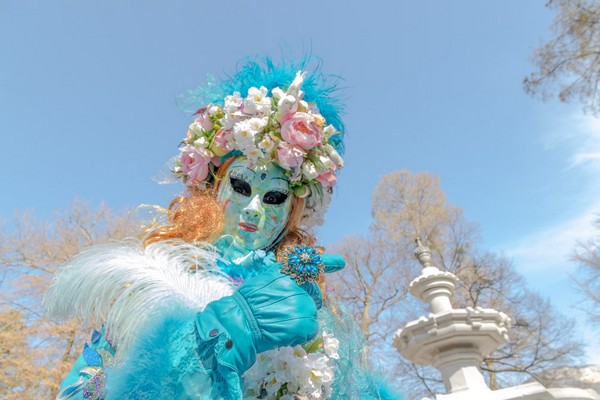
[{"x": 257, "y": 203}]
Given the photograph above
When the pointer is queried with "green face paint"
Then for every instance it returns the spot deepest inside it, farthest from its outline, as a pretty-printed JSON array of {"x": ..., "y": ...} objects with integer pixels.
[{"x": 257, "y": 202}]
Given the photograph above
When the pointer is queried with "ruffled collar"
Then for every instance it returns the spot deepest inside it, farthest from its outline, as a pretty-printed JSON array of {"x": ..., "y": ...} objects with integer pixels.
[{"x": 241, "y": 264}]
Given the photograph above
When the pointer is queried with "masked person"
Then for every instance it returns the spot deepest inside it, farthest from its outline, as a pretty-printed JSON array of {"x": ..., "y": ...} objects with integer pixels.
[{"x": 223, "y": 299}]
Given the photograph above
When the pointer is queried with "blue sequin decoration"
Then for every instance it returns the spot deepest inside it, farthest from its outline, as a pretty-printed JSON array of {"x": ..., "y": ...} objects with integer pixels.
[
  {"x": 91, "y": 356},
  {"x": 96, "y": 336}
]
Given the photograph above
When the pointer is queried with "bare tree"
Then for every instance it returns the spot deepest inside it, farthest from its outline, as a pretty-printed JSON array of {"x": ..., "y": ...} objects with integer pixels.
[
  {"x": 15, "y": 374},
  {"x": 36, "y": 353},
  {"x": 587, "y": 254},
  {"x": 571, "y": 58},
  {"x": 371, "y": 285},
  {"x": 406, "y": 206},
  {"x": 540, "y": 337}
]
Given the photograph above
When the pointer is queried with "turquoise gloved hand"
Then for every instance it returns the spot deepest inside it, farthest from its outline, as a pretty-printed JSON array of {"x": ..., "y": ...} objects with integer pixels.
[
  {"x": 243, "y": 264},
  {"x": 327, "y": 262},
  {"x": 267, "y": 311}
]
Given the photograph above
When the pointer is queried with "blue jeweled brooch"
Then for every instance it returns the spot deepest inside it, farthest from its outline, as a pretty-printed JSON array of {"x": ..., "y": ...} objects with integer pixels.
[{"x": 302, "y": 263}]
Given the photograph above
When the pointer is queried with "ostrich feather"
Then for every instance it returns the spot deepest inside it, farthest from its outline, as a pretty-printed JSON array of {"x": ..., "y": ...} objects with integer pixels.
[{"x": 122, "y": 285}]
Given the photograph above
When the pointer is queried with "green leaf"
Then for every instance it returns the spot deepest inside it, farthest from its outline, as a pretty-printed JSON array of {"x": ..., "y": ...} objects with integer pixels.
[{"x": 314, "y": 345}]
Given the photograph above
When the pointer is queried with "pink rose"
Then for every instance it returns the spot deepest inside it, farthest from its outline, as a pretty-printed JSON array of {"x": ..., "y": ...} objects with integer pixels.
[
  {"x": 289, "y": 156},
  {"x": 302, "y": 130},
  {"x": 221, "y": 143},
  {"x": 194, "y": 164},
  {"x": 327, "y": 179}
]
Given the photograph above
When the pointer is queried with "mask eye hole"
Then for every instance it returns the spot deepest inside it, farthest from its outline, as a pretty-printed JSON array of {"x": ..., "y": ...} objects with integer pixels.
[
  {"x": 240, "y": 186},
  {"x": 274, "y": 197}
]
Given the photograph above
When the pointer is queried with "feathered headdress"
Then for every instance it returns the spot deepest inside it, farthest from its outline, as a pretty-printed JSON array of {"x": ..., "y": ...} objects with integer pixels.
[{"x": 268, "y": 113}]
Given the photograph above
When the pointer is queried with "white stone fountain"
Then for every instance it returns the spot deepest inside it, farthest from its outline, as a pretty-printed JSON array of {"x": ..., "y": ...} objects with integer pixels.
[{"x": 455, "y": 341}]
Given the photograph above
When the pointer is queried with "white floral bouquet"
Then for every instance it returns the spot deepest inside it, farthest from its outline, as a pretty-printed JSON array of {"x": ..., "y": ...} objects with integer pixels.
[
  {"x": 283, "y": 129},
  {"x": 289, "y": 372}
]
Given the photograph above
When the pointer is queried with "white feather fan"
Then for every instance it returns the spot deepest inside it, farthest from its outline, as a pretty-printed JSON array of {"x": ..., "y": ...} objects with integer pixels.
[{"x": 121, "y": 285}]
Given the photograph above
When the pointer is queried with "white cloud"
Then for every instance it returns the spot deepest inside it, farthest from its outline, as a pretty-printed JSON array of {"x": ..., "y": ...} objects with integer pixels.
[
  {"x": 549, "y": 249},
  {"x": 543, "y": 258},
  {"x": 580, "y": 136},
  {"x": 586, "y": 143},
  {"x": 586, "y": 157}
]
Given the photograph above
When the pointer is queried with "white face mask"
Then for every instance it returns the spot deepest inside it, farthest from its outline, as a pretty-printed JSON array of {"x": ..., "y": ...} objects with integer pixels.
[{"x": 257, "y": 203}]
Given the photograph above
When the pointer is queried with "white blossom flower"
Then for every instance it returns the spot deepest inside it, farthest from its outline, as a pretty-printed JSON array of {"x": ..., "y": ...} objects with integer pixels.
[
  {"x": 266, "y": 144},
  {"x": 195, "y": 129},
  {"x": 309, "y": 170},
  {"x": 321, "y": 373},
  {"x": 212, "y": 109},
  {"x": 232, "y": 103},
  {"x": 253, "y": 154},
  {"x": 201, "y": 143},
  {"x": 307, "y": 375},
  {"x": 325, "y": 164},
  {"x": 334, "y": 156},
  {"x": 257, "y": 102},
  {"x": 331, "y": 345},
  {"x": 258, "y": 124},
  {"x": 277, "y": 93},
  {"x": 320, "y": 368},
  {"x": 243, "y": 135},
  {"x": 311, "y": 380},
  {"x": 229, "y": 120},
  {"x": 329, "y": 131}
]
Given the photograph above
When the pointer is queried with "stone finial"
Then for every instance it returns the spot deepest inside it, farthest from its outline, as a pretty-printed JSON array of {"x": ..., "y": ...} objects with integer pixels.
[
  {"x": 433, "y": 286},
  {"x": 423, "y": 254}
]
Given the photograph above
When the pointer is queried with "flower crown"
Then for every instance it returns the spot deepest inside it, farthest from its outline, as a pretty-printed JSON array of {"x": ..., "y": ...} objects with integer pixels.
[{"x": 282, "y": 129}]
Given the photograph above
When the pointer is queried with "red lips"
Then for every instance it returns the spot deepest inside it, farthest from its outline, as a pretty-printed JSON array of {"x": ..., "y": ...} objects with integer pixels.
[{"x": 248, "y": 227}]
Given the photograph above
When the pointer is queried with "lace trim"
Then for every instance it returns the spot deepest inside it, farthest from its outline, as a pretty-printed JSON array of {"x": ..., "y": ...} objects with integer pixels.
[{"x": 225, "y": 378}]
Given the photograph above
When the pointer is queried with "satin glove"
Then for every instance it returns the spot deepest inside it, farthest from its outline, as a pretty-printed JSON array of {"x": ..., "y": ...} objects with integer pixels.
[{"x": 267, "y": 311}]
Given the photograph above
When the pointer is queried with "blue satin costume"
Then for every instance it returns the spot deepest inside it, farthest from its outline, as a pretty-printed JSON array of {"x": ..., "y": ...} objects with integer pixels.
[{"x": 185, "y": 354}]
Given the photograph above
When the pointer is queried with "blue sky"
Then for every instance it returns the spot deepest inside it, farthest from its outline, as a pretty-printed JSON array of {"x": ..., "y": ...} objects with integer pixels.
[{"x": 87, "y": 109}]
